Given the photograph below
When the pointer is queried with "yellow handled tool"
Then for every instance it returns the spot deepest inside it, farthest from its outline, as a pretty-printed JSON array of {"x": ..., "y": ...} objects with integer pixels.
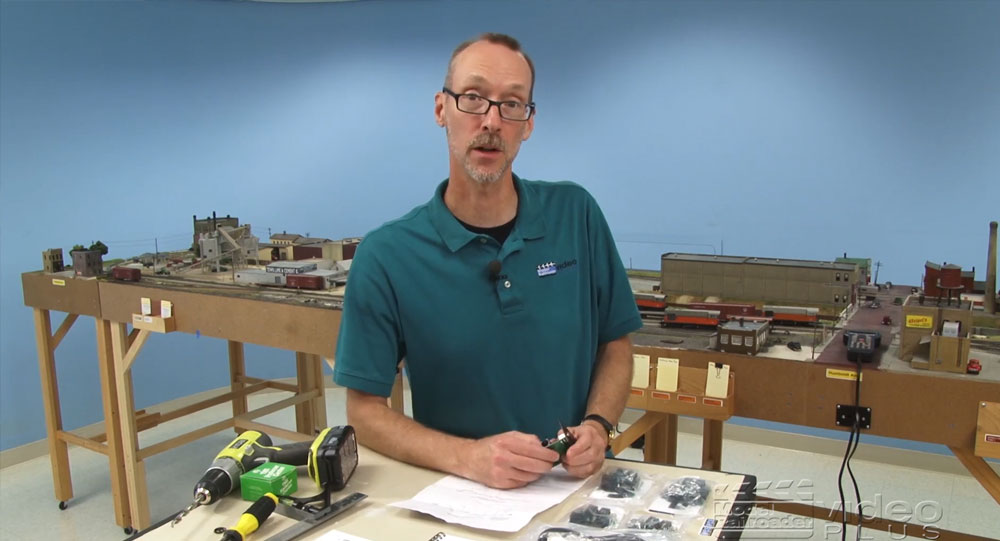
[{"x": 252, "y": 518}]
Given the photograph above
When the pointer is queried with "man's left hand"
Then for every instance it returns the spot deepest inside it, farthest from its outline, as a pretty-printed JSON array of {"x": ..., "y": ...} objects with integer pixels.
[{"x": 586, "y": 456}]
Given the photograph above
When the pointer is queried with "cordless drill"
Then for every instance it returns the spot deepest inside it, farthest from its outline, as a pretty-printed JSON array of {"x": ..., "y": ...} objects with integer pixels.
[{"x": 244, "y": 453}]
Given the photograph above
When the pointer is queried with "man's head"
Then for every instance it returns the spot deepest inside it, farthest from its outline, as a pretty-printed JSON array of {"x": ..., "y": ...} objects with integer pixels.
[{"x": 493, "y": 67}]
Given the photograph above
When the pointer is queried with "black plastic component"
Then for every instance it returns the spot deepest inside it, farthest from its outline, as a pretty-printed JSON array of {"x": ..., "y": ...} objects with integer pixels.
[
  {"x": 295, "y": 454},
  {"x": 129, "y": 530},
  {"x": 335, "y": 459},
  {"x": 591, "y": 515},
  {"x": 620, "y": 483},
  {"x": 845, "y": 416},
  {"x": 63, "y": 506},
  {"x": 686, "y": 492}
]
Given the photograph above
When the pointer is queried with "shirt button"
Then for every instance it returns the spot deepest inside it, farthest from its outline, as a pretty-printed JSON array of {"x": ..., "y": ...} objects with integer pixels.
[
  {"x": 482, "y": 240},
  {"x": 506, "y": 284}
]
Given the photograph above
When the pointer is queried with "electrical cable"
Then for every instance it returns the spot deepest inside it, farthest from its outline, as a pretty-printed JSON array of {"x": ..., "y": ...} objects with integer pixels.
[
  {"x": 857, "y": 439},
  {"x": 852, "y": 446}
]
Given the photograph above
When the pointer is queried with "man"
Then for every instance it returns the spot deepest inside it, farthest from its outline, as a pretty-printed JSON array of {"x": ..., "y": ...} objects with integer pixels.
[{"x": 506, "y": 299}]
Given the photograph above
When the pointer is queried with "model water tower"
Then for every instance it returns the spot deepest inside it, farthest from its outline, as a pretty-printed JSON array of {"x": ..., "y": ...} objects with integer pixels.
[{"x": 950, "y": 283}]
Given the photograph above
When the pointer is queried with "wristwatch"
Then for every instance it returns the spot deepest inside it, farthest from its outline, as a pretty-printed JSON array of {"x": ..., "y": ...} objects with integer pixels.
[{"x": 606, "y": 424}]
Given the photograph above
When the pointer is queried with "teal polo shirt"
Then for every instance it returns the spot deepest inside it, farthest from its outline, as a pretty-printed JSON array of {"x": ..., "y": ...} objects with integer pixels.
[{"x": 487, "y": 352}]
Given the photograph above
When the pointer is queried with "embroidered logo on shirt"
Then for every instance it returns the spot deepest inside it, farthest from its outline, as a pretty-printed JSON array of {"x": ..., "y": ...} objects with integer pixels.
[{"x": 550, "y": 268}]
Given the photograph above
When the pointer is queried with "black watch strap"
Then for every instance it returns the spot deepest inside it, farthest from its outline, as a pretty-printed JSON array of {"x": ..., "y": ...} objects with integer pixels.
[{"x": 610, "y": 428}]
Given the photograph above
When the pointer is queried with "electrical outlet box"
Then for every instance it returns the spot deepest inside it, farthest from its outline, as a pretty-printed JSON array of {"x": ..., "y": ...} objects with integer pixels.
[{"x": 846, "y": 414}]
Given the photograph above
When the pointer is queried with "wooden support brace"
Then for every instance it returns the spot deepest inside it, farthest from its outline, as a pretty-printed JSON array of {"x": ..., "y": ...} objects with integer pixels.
[
  {"x": 633, "y": 432},
  {"x": 64, "y": 328},
  {"x": 980, "y": 470},
  {"x": 270, "y": 430},
  {"x": 661, "y": 441}
]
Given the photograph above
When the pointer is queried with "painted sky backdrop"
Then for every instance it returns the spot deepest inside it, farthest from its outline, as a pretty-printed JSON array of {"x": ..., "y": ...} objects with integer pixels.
[{"x": 791, "y": 129}]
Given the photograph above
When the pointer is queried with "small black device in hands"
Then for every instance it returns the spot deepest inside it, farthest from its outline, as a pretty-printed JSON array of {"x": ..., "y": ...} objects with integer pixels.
[{"x": 560, "y": 443}]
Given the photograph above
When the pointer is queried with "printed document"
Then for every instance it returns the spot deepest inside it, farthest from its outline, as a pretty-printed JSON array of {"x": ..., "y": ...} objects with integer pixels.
[{"x": 461, "y": 501}]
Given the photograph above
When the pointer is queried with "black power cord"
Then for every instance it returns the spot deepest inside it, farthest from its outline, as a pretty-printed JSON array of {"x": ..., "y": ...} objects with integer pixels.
[{"x": 852, "y": 446}]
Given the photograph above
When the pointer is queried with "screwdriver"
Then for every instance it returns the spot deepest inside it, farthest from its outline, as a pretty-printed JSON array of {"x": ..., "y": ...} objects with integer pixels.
[{"x": 252, "y": 518}]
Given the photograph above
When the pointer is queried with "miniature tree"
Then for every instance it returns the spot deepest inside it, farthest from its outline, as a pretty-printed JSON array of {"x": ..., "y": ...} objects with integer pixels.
[
  {"x": 100, "y": 247},
  {"x": 77, "y": 248}
]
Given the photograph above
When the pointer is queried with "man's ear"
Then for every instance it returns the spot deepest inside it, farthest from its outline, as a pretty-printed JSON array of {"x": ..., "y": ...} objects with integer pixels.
[{"x": 439, "y": 101}]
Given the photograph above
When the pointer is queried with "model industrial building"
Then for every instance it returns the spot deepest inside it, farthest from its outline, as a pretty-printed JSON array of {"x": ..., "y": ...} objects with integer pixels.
[
  {"x": 286, "y": 246},
  {"x": 52, "y": 260},
  {"x": 784, "y": 281},
  {"x": 935, "y": 333},
  {"x": 87, "y": 262},
  {"x": 741, "y": 336},
  {"x": 210, "y": 224}
]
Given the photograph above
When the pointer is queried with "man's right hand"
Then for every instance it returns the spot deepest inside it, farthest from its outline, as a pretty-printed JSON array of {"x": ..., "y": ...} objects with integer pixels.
[{"x": 508, "y": 460}]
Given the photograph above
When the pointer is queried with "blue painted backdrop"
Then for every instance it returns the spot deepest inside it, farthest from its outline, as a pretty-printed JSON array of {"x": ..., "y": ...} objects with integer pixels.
[{"x": 782, "y": 129}]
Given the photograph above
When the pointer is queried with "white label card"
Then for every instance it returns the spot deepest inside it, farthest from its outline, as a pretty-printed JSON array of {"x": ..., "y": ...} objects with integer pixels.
[
  {"x": 717, "y": 382},
  {"x": 640, "y": 371},
  {"x": 666, "y": 374}
]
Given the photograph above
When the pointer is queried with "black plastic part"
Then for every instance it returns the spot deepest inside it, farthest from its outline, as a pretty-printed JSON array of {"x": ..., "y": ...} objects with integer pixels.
[
  {"x": 63, "y": 506},
  {"x": 845, "y": 416},
  {"x": 129, "y": 530},
  {"x": 295, "y": 454}
]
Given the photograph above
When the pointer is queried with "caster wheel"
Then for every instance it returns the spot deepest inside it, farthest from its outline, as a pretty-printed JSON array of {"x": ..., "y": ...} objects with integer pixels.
[
  {"x": 63, "y": 506},
  {"x": 129, "y": 530}
]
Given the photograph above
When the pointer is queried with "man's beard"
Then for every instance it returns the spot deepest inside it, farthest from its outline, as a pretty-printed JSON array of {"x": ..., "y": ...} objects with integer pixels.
[{"x": 478, "y": 175}]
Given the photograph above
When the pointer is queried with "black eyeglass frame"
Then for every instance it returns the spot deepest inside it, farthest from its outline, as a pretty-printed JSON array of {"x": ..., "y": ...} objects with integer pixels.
[{"x": 529, "y": 106}]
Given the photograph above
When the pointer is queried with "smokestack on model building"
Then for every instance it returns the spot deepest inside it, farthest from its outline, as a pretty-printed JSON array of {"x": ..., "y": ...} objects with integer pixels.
[{"x": 990, "y": 299}]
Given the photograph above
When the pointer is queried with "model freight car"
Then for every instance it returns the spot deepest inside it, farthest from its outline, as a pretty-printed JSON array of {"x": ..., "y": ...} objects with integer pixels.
[
  {"x": 650, "y": 301},
  {"x": 305, "y": 281},
  {"x": 687, "y": 316},
  {"x": 128, "y": 274},
  {"x": 792, "y": 315},
  {"x": 728, "y": 311}
]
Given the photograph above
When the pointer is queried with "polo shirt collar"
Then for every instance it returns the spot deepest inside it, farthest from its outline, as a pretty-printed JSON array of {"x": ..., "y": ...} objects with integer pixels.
[{"x": 530, "y": 222}]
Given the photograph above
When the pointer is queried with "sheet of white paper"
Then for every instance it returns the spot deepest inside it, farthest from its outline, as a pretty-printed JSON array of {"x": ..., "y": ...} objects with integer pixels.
[
  {"x": 461, "y": 501},
  {"x": 340, "y": 536}
]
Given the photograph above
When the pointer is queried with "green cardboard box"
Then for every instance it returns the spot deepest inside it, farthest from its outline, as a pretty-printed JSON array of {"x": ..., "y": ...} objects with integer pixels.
[{"x": 278, "y": 479}]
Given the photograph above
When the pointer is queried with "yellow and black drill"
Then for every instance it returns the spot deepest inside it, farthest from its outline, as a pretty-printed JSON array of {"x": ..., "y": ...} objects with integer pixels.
[{"x": 243, "y": 454}]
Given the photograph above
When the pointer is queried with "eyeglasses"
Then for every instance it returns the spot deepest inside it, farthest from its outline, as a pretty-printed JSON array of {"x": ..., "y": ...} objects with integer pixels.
[{"x": 478, "y": 105}]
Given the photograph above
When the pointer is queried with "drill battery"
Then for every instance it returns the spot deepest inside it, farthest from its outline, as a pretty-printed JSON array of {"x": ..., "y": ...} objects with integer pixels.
[{"x": 278, "y": 479}]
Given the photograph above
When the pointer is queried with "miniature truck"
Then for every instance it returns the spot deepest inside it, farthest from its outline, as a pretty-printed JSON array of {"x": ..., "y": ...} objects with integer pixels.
[{"x": 861, "y": 345}]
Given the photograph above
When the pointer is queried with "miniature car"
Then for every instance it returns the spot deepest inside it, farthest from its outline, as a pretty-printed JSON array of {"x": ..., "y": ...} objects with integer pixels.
[
  {"x": 973, "y": 367},
  {"x": 886, "y": 320}
]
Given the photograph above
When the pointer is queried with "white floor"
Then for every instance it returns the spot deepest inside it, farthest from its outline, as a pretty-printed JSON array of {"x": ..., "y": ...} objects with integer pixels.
[{"x": 28, "y": 509}]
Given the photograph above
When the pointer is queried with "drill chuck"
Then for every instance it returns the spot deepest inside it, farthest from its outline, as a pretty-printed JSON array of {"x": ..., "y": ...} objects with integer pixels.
[{"x": 219, "y": 479}]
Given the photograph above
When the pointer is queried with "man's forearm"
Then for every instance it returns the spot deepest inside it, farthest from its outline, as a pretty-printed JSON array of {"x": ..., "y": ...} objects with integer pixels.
[
  {"x": 612, "y": 379},
  {"x": 397, "y": 436}
]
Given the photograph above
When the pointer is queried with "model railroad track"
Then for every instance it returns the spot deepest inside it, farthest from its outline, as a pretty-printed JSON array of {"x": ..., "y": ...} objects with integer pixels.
[{"x": 275, "y": 294}]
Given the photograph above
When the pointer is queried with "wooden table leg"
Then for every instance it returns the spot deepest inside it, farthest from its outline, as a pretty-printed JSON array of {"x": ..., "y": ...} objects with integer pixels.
[
  {"x": 711, "y": 445},
  {"x": 112, "y": 423},
  {"x": 661, "y": 441},
  {"x": 319, "y": 403},
  {"x": 304, "y": 420},
  {"x": 237, "y": 369},
  {"x": 135, "y": 468},
  {"x": 396, "y": 395},
  {"x": 58, "y": 450}
]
